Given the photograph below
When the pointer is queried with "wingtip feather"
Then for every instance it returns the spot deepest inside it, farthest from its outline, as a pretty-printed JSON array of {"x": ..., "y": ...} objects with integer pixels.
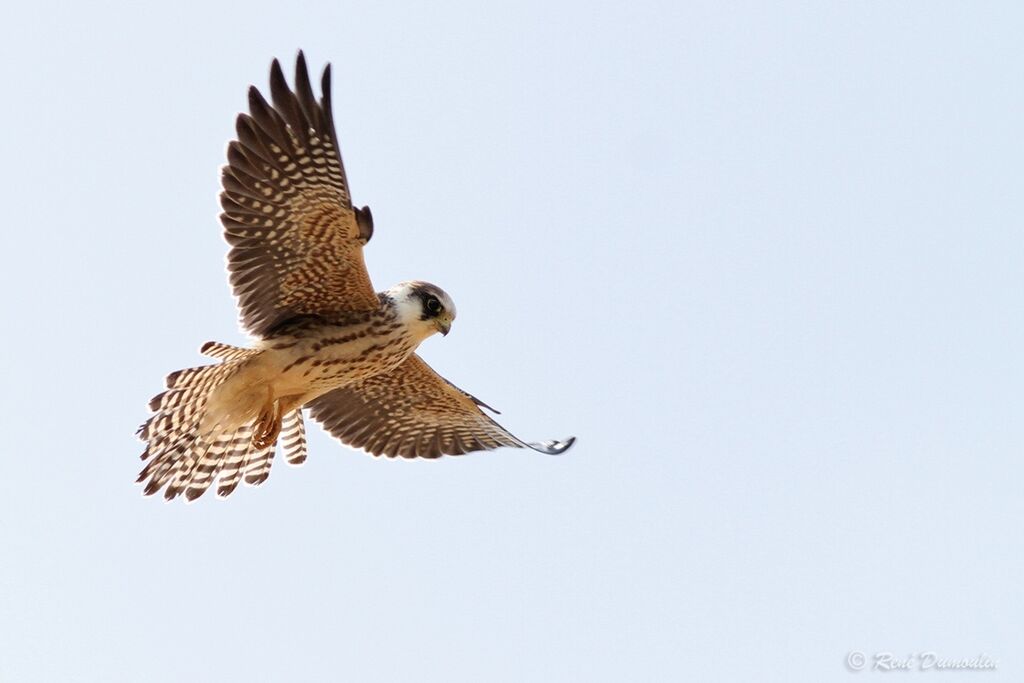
[{"x": 553, "y": 447}]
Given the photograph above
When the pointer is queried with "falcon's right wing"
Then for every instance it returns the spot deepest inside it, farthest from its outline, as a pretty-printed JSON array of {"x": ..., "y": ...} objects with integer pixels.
[
  {"x": 414, "y": 412},
  {"x": 296, "y": 240}
]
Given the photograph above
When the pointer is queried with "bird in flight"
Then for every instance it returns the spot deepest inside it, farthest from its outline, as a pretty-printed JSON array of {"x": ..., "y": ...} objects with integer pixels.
[{"x": 324, "y": 339}]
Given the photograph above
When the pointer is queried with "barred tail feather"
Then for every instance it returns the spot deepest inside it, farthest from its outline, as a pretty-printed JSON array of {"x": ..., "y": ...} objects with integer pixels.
[
  {"x": 187, "y": 455},
  {"x": 234, "y": 458},
  {"x": 226, "y": 351},
  {"x": 293, "y": 438},
  {"x": 257, "y": 465},
  {"x": 185, "y": 468}
]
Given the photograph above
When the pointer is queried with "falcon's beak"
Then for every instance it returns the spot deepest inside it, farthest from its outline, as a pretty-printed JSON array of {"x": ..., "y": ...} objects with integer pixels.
[{"x": 444, "y": 324}]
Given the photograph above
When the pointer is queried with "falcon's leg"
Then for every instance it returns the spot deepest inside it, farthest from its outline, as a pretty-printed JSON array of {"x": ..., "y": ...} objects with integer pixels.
[{"x": 268, "y": 424}]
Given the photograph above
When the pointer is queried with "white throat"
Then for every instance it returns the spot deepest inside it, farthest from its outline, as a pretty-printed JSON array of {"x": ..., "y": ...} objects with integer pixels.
[{"x": 409, "y": 312}]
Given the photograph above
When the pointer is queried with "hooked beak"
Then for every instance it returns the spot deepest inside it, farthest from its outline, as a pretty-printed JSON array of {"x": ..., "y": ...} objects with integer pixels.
[{"x": 444, "y": 325}]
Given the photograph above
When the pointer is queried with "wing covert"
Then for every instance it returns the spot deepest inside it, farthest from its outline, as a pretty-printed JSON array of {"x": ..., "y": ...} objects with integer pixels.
[
  {"x": 414, "y": 412},
  {"x": 296, "y": 240}
]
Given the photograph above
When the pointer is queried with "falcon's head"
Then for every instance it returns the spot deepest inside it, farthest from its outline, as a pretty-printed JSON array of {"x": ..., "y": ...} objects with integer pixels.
[{"x": 423, "y": 308}]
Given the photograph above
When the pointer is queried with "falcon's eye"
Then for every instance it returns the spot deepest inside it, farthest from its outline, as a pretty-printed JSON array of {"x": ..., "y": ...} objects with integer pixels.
[{"x": 433, "y": 305}]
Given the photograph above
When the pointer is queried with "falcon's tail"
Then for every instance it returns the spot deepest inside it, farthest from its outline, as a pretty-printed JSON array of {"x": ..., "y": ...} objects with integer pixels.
[{"x": 190, "y": 443}]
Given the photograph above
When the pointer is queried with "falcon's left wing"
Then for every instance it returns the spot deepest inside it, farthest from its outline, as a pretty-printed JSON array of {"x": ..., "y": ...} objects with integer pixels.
[
  {"x": 296, "y": 240},
  {"x": 413, "y": 412}
]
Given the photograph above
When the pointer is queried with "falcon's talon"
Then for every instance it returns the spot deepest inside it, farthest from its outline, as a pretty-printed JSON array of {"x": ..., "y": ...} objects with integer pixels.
[{"x": 326, "y": 339}]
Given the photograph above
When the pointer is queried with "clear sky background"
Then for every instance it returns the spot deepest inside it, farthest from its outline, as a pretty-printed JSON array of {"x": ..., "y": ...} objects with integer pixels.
[{"x": 764, "y": 261}]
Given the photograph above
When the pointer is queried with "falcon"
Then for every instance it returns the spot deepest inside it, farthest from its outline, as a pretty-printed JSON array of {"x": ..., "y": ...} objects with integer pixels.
[{"x": 325, "y": 341}]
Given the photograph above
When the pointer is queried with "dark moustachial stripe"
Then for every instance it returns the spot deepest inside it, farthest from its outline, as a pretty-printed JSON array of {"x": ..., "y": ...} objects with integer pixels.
[{"x": 428, "y": 293}]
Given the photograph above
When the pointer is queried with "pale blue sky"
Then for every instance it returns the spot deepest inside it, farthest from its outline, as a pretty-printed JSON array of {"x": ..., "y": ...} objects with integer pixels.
[{"x": 764, "y": 261}]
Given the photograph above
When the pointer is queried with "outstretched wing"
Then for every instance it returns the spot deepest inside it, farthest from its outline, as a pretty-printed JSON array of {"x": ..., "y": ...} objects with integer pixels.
[
  {"x": 296, "y": 241},
  {"x": 415, "y": 413}
]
